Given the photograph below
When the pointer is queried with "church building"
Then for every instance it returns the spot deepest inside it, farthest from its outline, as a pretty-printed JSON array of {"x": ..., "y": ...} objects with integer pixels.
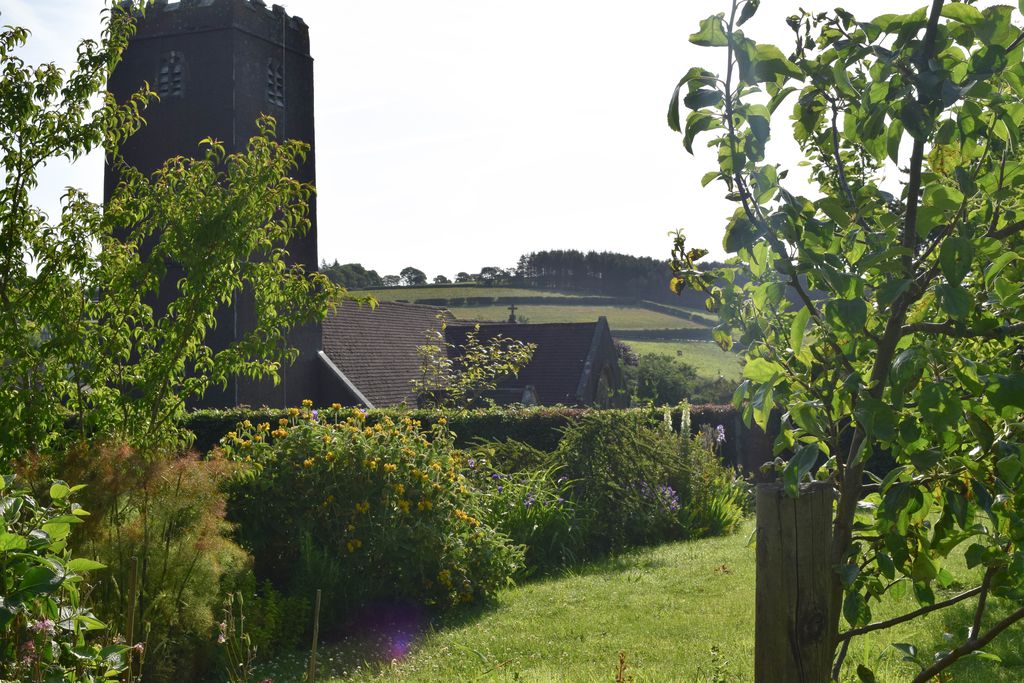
[{"x": 218, "y": 65}]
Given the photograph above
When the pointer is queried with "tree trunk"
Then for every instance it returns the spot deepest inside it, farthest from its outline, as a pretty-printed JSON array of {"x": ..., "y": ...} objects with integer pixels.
[{"x": 793, "y": 639}]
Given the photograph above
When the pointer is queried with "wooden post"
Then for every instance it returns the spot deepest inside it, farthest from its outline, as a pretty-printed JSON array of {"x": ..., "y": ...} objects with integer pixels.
[
  {"x": 311, "y": 678},
  {"x": 792, "y": 639}
]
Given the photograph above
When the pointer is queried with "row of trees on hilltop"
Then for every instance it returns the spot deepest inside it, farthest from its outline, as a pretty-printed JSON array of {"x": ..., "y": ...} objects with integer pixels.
[{"x": 594, "y": 272}]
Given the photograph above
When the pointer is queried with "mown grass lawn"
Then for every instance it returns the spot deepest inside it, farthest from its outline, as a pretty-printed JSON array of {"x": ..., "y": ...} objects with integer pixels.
[
  {"x": 681, "y": 612},
  {"x": 706, "y": 357}
]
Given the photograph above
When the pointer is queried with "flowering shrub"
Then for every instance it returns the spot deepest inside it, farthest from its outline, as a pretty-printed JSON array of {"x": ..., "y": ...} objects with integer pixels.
[
  {"x": 364, "y": 512},
  {"x": 716, "y": 500},
  {"x": 532, "y": 507},
  {"x": 623, "y": 467},
  {"x": 46, "y": 633}
]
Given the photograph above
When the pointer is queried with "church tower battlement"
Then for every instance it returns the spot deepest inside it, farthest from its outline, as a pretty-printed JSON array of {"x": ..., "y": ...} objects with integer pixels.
[{"x": 218, "y": 65}]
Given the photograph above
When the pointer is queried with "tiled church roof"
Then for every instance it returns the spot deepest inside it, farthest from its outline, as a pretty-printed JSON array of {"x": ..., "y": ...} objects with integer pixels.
[{"x": 376, "y": 348}]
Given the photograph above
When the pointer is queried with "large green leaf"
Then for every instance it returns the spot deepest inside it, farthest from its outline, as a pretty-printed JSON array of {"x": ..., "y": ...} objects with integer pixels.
[
  {"x": 915, "y": 120},
  {"x": 769, "y": 63},
  {"x": 711, "y": 33},
  {"x": 955, "y": 259},
  {"x": 961, "y": 12},
  {"x": 956, "y": 301},
  {"x": 850, "y": 314},
  {"x": 798, "y": 328},
  {"x": 761, "y": 370},
  {"x": 1006, "y": 391}
]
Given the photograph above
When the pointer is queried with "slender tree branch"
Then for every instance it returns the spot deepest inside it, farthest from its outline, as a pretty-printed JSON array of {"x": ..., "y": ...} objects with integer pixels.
[
  {"x": 982, "y": 600},
  {"x": 972, "y": 645},
  {"x": 958, "y": 330},
  {"x": 1008, "y": 231},
  {"x": 895, "y": 621}
]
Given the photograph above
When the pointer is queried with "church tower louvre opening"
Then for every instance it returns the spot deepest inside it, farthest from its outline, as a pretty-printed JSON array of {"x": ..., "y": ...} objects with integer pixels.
[{"x": 218, "y": 65}]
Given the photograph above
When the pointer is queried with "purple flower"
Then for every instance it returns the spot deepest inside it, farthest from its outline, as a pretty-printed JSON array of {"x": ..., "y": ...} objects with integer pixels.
[
  {"x": 471, "y": 462},
  {"x": 560, "y": 500},
  {"x": 495, "y": 476},
  {"x": 720, "y": 434},
  {"x": 530, "y": 500},
  {"x": 500, "y": 488},
  {"x": 315, "y": 415},
  {"x": 44, "y": 626}
]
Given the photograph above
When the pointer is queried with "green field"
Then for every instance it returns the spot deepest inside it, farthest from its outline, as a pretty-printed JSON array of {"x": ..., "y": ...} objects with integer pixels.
[
  {"x": 667, "y": 608},
  {"x": 709, "y": 360},
  {"x": 619, "y": 317}
]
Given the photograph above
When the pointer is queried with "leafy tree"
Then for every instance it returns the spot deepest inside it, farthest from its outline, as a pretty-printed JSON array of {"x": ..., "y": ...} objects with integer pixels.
[
  {"x": 463, "y": 277},
  {"x": 663, "y": 380},
  {"x": 458, "y": 375},
  {"x": 906, "y": 271},
  {"x": 81, "y": 345},
  {"x": 351, "y": 275},
  {"x": 391, "y": 281},
  {"x": 441, "y": 280},
  {"x": 412, "y": 277},
  {"x": 489, "y": 275}
]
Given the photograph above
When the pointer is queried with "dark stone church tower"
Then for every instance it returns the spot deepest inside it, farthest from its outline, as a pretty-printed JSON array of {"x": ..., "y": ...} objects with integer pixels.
[{"x": 217, "y": 65}]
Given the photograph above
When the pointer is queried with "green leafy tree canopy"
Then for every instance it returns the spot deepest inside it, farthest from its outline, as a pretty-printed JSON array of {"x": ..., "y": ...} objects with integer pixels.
[
  {"x": 81, "y": 344},
  {"x": 884, "y": 313}
]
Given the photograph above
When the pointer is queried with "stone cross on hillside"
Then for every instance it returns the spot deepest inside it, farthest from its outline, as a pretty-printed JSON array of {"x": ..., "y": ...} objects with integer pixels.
[{"x": 512, "y": 313}]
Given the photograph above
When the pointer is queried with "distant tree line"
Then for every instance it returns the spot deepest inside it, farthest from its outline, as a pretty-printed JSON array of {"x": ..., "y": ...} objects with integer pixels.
[{"x": 604, "y": 273}]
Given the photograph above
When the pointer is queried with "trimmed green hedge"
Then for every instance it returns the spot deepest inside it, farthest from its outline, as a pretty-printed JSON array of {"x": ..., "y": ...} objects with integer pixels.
[{"x": 539, "y": 427}]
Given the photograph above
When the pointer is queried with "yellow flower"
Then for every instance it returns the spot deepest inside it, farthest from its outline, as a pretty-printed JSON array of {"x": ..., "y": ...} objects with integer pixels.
[
  {"x": 363, "y": 507},
  {"x": 306, "y": 403},
  {"x": 328, "y": 438},
  {"x": 399, "y": 489},
  {"x": 350, "y": 528},
  {"x": 435, "y": 466},
  {"x": 283, "y": 422},
  {"x": 388, "y": 467},
  {"x": 232, "y": 435},
  {"x": 442, "y": 420},
  {"x": 294, "y": 412},
  {"x": 378, "y": 427},
  {"x": 354, "y": 545},
  {"x": 330, "y": 456},
  {"x": 335, "y": 406},
  {"x": 278, "y": 433},
  {"x": 247, "y": 424},
  {"x": 445, "y": 577},
  {"x": 404, "y": 504},
  {"x": 308, "y": 462},
  {"x": 424, "y": 505},
  {"x": 247, "y": 443}
]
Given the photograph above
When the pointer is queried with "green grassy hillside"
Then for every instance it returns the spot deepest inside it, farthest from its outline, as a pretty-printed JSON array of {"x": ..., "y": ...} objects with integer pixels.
[
  {"x": 709, "y": 360},
  {"x": 619, "y": 317}
]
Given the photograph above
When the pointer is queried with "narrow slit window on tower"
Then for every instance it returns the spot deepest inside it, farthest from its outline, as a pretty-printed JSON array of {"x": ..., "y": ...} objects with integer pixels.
[
  {"x": 275, "y": 82},
  {"x": 170, "y": 79}
]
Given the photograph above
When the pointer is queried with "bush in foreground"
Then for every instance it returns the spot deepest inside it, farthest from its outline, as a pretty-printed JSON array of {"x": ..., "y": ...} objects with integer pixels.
[{"x": 364, "y": 512}]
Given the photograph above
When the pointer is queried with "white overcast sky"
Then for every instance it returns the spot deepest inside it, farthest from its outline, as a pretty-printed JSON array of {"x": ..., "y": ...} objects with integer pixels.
[{"x": 456, "y": 134}]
